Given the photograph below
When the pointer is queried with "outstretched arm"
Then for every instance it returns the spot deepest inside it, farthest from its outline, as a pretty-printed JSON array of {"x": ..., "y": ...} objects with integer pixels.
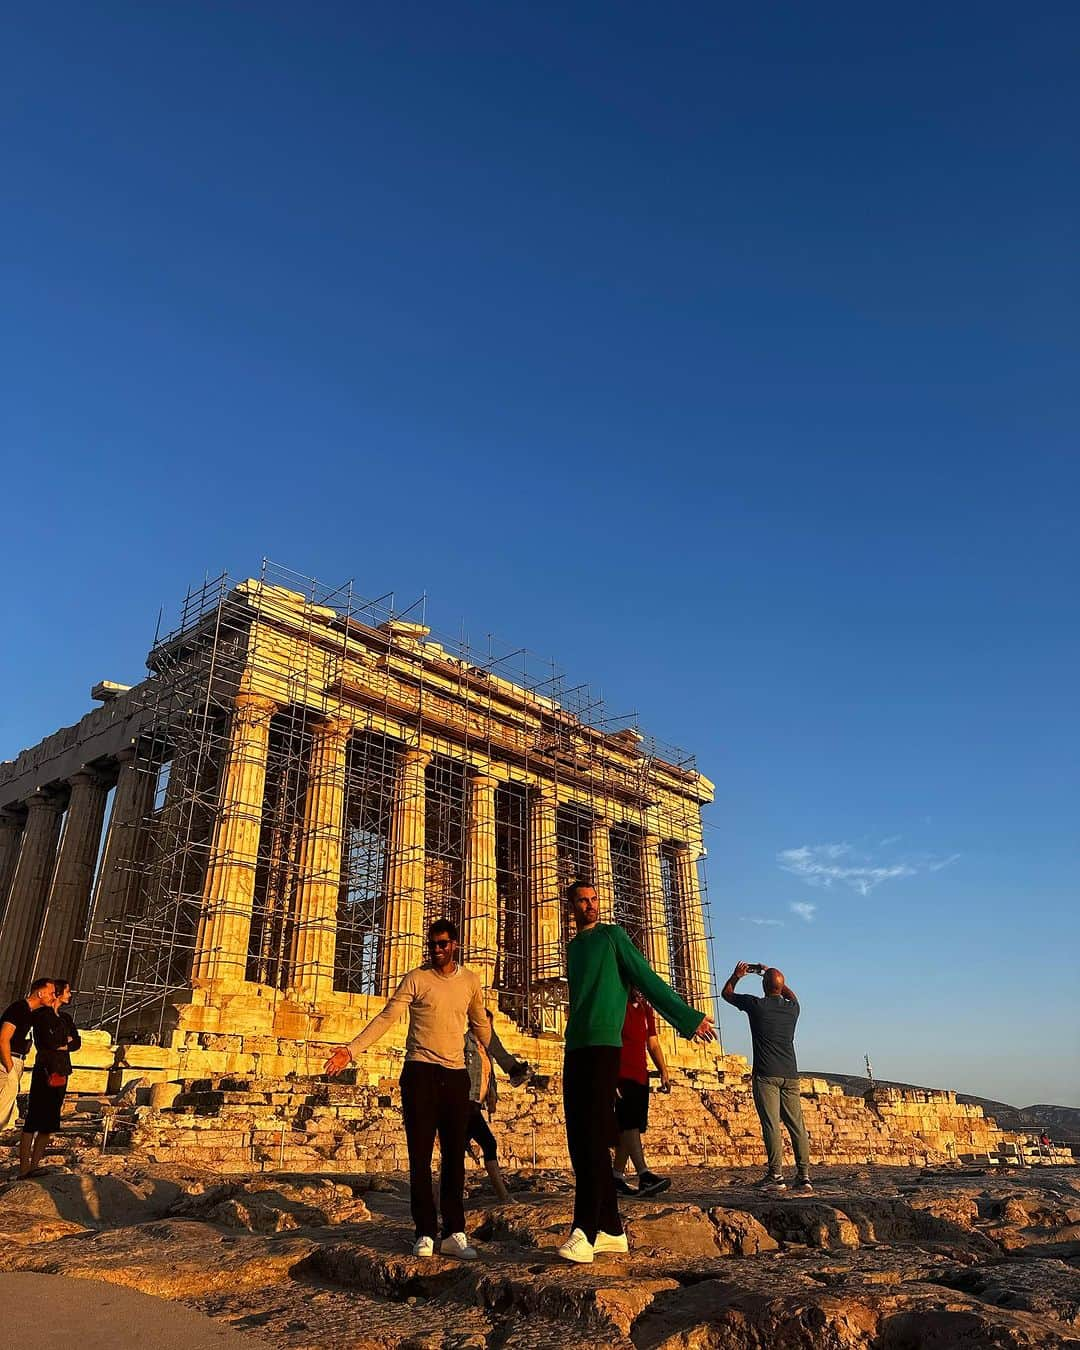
[
  {"x": 509, "y": 1063},
  {"x": 638, "y": 973},
  {"x": 378, "y": 1026},
  {"x": 728, "y": 991}
]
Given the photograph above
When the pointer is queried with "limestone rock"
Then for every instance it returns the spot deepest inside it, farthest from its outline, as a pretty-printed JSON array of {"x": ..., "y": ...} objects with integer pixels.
[
  {"x": 681, "y": 1230},
  {"x": 172, "y": 1258},
  {"x": 26, "y": 1228},
  {"x": 1049, "y": 1288},
  {"x": 91, "y": 1201},
  {"x": 262, "y": 1206},
  {"x": 740, "y": 1234}
]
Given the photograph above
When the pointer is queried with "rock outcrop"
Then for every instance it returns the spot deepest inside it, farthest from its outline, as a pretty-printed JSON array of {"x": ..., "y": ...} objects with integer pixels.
[{"x": 881, "y": 1258}]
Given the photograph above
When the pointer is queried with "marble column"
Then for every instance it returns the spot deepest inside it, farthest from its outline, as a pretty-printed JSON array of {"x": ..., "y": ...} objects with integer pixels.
[
  {"x": 545, "y": 903},
  {"x": 229, "y": 890},
  {"x": 11, "y": 828},
  {"x": 695, "y": 954},
  {"x": 319, "y": 886},
  {"x": 478, "y": 936},
  {"x": 403, "y": 935},
  {"x": 603, "y": 878},
  {"x": 656, "y": 929},
  {"x": 68, "y": 907},
  {"x": 29, "y": 887},
  {"x": 125, "y": 850}
]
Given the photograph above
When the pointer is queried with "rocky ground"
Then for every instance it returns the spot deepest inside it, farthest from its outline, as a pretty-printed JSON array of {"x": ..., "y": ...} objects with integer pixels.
[{"x": 888, "y": 1258}]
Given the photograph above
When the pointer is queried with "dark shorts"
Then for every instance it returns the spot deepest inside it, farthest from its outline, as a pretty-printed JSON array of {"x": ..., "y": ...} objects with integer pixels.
[
  {"x": 632, "y": 1105},
  {"x": 479, "y": 1130}
]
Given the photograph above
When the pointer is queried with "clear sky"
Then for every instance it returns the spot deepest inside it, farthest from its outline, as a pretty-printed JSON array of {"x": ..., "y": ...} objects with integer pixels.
[{"x": 727, "y": 353}]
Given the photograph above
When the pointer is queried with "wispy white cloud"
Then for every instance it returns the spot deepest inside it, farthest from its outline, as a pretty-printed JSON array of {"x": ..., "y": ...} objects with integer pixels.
[
  {"x": 829, "y": 864},
  {"x": 841, "y": 864},
  {"x": 803, "y": 910},
  {"x": 763, "y": 923},
  {"x": 889, "y": 840}
]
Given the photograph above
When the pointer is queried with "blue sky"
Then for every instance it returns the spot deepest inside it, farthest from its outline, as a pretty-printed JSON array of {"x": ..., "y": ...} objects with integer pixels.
[{"x": 728, "y": 356}]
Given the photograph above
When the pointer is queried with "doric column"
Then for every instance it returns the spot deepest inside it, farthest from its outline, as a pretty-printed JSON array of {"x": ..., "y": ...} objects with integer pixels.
[
  {"x": 602, "y": 876},
  {"x": 656, "y": 935},
  {"x": 125, "y": 850},
  {"x": 403, "y": 938},
  {"x": 11, "y": 828},
  {"x": 481, "y": 898},
  {"x": 229, "y": 891},
  {"x": 319, "y": 885},
  {"x": 29, "y": 887},
  {"x": 69, "y": 895},
  {"x": 695, "y": 954},
  {"x": 545, "y": 903}
]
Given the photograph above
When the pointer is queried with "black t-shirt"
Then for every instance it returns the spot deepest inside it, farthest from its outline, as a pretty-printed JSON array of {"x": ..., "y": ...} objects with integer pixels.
[
  {"x": 772, "y": 1030},
  {"x": 20, "y": 1016}
]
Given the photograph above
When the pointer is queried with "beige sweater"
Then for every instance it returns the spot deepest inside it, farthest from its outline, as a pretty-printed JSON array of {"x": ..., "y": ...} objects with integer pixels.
[{"x": 441, "y": 1009}]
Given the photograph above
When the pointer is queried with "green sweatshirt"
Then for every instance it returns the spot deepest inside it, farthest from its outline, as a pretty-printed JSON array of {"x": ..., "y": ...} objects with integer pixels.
[{"x": 603, "y": 965}]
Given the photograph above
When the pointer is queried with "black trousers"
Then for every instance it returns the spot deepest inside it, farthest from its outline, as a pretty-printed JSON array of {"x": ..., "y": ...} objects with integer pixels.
[
  {"x": 434, "y": 1101},
  {"x": 477, "y": 1128},
  {"x": 589, "y": 1078}
]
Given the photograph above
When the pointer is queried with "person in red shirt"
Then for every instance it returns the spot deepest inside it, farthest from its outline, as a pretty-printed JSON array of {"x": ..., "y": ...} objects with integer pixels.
[{"x": 632, "y": 1103}]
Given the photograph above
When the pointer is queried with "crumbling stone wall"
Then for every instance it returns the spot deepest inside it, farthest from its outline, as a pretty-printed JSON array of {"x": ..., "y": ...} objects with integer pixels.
[{"x": 236, "y": 1125}]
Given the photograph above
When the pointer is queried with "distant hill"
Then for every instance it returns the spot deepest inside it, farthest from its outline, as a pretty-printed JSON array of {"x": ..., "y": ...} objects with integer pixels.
[{"x": 1061, "y": 1123}]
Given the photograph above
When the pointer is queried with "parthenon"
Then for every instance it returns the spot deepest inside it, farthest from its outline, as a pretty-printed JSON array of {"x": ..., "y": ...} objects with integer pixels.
[{"x": 255, "y": 837}]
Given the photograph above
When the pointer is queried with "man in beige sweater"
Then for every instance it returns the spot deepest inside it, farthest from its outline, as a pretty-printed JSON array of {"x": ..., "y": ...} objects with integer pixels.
[{"x": 443, "y": 1001}]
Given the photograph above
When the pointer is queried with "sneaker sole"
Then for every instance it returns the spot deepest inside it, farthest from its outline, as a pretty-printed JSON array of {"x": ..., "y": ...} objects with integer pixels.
[{"x": 576, "y": 1260}]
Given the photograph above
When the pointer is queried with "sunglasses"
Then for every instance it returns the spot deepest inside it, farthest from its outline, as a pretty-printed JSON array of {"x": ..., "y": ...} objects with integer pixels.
[{"x": 439, "y": 942}]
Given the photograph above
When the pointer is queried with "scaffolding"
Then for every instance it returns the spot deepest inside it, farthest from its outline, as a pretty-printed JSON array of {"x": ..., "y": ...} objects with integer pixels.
[{"x": 321, "y": 650}]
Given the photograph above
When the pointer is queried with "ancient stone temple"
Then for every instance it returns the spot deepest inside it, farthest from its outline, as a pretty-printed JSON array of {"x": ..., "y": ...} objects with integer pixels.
[{"x": 239, "y": 855}]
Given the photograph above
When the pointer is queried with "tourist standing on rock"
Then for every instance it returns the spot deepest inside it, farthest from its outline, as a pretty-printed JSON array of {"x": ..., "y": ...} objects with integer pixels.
[
  {"x": 483, "y": 1093},
  {"x": 603, "y": 965},
  {"x": 64, "y": 995},
  {"x": 632, "y": 1100},
  {"x": 16, "y": 1022},
  {"x": 441, "y": 998},
  {"x": 776, "y": 1075},
  {"x": 54, "y": 1037}
]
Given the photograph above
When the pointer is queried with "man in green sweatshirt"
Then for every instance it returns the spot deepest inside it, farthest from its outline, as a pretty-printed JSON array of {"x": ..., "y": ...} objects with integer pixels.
[{"x": 603, "y": 965}]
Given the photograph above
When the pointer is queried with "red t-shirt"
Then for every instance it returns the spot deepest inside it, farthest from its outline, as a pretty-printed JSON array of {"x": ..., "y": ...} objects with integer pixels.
[{"x": 638, "y": 1026}]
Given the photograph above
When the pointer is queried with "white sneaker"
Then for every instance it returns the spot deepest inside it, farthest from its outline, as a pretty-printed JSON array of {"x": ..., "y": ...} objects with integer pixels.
[
  {"x": 577, "y": 1247},
  {"x": 423, "y": 1246},
  {"x": 458, "y": 1245},
  {"x": 610, "y": 1242}
]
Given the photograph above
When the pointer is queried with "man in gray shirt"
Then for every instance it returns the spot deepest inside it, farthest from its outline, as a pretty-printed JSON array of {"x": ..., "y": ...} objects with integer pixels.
[{"x": 776, "y": 1075}]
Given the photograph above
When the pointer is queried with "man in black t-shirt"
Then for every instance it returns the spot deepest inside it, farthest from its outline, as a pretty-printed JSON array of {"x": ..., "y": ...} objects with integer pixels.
[
  {"x": 776, "y": 1075},
  {"x": 15, "y": 1022}
]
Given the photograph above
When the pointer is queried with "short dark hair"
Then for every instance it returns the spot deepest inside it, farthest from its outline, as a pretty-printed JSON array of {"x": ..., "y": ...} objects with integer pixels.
[
  {"x": 447, "y": 926},
  {"x": 41, "y": 982},
  {"x": 578, "y": 885},
  {"x": 62, "y": 986}
]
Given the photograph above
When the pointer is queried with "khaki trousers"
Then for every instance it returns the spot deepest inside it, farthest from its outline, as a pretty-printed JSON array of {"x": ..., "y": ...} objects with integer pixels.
[
  {"x": 777, "y": 1099},
  {"x": 9, "y": 1092}
]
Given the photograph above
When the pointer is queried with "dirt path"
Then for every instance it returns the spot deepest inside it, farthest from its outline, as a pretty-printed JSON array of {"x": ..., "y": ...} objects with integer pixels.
[{"x": 97, "y": 1316}]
